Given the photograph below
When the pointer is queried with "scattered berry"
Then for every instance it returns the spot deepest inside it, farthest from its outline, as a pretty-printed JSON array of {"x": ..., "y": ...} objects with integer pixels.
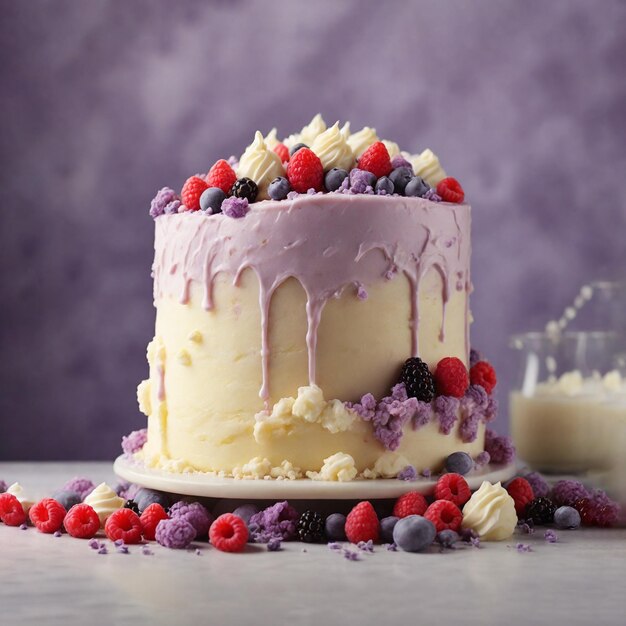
[
  {"x": 222, "y": 176},
  {"x": 418, "y": 380},
  {"x": 176, "y": 533},
  {"x": 384, "y": 184},
  {"x": 310, "y": 527},
  {"x": 484, "y": 375},
  {"x": 335, "y": 527},
  {"x": 67, "y": 499},
  {"x": 211, "y": 200},
  {"x": 282, "y": 151},
  {"x": 192, "y": 190},
  {"x": 450, "y": 190},
  {"x": 229, "y": 533},
  {"x": 447, "y": 538},
  {"x": 451, "y": 378},
  {"x": 454, "y": 488},
  {"x": 297, "y": 147},
  {"x": 567, "y": 517},
  {"x": 305, "y": 171},
  {"x": 82, "y": 522},
  {"x": 459, "y": 463},
  {"x": 47, "y": 515},
  {"x": 245, "y": 188},
  {"x": 387, "y": 524},
  {"x": 376, "y": 160},
  {"x": 279, "y": 188},
  {"x": 414, "y": 533},
  {"x": 145, "y": 497},
  {"x": 416, "y": 187},
  {"x": 411, "y": 503},
  {"x": 124, "y": 524},
  {"x": 445, "y": 515},
  {"x": 11, "y": 510},
  {"x": 150, "y": 519},
  {"x": 132, "y": 505},
  {"x": 522, "y": 493},
  {"x": 597, "y": 510},
  {"x": 334, "y": 178},
  {"x": 400, "y": 177},
  {"x": 362, "y": 523},
  {"x": 540, "y": 511}
]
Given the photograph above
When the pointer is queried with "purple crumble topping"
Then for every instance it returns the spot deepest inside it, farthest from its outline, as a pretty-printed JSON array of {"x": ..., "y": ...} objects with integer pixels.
[
  {"x": 423, "y": 414},
  {"x": 523, "y": 547},
  {"x": 276, "y": 521},
  {"x": 540, "y": 487},
  {"x": 103, "y": 550},
  {"x": 550, "y": 536},
  {"x": 360, "y": 180},
  {"x": 400, "y": 161},
  {"x": 3, "y": 486},
  {"x": 146, "y": 550},
  {"x": 23, "y": 527},
  {"x": 525, "y": 528},
  {"x": 81, "y": 485},
  {"x": 194, "y": 513},
  {"x": 361, "y": 292},
  {"x": 235, "y": 207},
  {"x": 93, "y": 544},
  {"x": 474, "y": 357},
  {"x": 566, "y": 492},
  {"x": 433, "y": 196},
  {"x": 333, "y": 545},
  {"x": 427, "y": 472},
  {"x": 350, "y": 555},
  {"x": 408, "y": 473},
  {"x": 446, "y": 408},
  {"x": 366, "y": 546},
  {"x": 392, "y": 547},
  {"x": 292, "y": 195},
  {"x": 57, "y": 533},
  {"x": 273, "y": 545},
  {"x": 134, "y": 441},
  {"x": 198, "y": 552},
  {"x": 175, "y": 533},
  {"x": 164, "y": 197},
  {"x": 475, "y": 399},
  {"x": 475, "y": 541},
  {"x": 499, "y": 447},
  {"x": 482, "y": 459},
  {"x": 172, "y": 207},
  {"x": 311, "y": 191},
  {"x": 492, "y": 409}
]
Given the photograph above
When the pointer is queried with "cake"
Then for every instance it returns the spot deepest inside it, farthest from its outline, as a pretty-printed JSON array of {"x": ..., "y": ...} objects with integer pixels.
[{"x": 312, "y": 315}]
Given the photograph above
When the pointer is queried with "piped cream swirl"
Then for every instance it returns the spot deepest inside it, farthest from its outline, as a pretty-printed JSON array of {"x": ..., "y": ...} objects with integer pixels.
[
  {"x": 104, "y": 501},
  {"x": 338, "y": 467},
  {"x": 271, "y": 139},
  {"x": 333, "y": 150},
  {"x": 314, "y": 128},
  {"x": 490, "y": 512},
  {"x": 428, "y": 167},
  {"x": 260, "y": 164},
  {"x": 392, "y": 147},
  {"x": 18, "y": 491},
  {"x": 361, "y": 141}
]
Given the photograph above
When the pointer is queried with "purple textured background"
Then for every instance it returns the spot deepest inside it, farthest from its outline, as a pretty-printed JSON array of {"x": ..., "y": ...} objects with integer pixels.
[{"x": 101, "y": 103}]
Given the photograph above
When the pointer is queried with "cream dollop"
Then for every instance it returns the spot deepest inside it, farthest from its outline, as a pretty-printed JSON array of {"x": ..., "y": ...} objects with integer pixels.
[
  {"x": 18, "y": 491},
  {"x": 260, "y": 164},
  {"x": 361, "y": 141},
  {"x": 388, "y": 465},
  {"x": 333, "y": 149},
  {"x": 428, "y": 167},
  {"x": 345, "y": 130},
  {"x": 392, "y": 147},
  {"x": 314, "y": 128},
  {"x": 104, "y": 501},
  {"x": 490, "y": 512},
  {"x": 271, "y": 139},
  {"x": 338, "y": 467}
]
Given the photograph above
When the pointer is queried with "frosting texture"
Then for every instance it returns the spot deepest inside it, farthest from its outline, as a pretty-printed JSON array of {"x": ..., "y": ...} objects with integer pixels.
[
  {"x": 104, "y": 501},
  {"x": 261, "y": 164},
  {"x": 490, "y": 512},
  {"x": 333, "y": 150}
]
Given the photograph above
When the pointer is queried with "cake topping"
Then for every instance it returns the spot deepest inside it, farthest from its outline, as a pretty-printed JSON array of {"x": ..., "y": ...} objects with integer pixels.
[
  {"x": 451, "y": 377},
  {"x": 211, "y": 200},
  {"x": 260, "y": 164},
  {"x": 235, "y": 207},
  {"x": 305, "y": 171},
  {"x": 221, "y": 175},
  {"x": 417, "y": 379},
  {"x": 333, "y": 150},
  {"x": 338, "y": 467},
  {"x": 192, "y": 190},
  {"x": 427, "y": 166},
  {"x": 243, "y": 188},
  {"x": 362, "y": 140},
  {"x": 450, "y": 190},
  {"x": 376, "y": 160},
  {"x": 314, "y": 128},
  {"x": 104, "y": 501},
  {"x": 490, "y": 512}
]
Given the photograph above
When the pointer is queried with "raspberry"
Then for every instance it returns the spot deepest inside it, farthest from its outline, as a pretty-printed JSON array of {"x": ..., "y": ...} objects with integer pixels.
[
  {"x": 305, "y": 171},
  {"x": 585, "y": 507},
  {"x": 418, "y": 380},
  {"x": 47, "y": 515},
  {"x": 151, "y": 516},
  {"x": 522, "y": 493},
  {"x": 376, "y": 160},
  {"x": 445, "y": 515},
  {"x": 229, "y": 533},
  {"x": 454, "y": 488},
  {"x": 450, "y": 190},
  {"x": 221, "y": 175},
  {"x": 451, "y": 378},
  {"x": 192, "y": 190},
  {"x": 411, "y": 503},
  {"x": 483, "y": 374},
  {"x": 11, "y": 511},
  {"x": 82, "y": 521},
  {"x": 597, "y": 510},
  {"x": 362, "y": 523},
  {"x": 124, "y": 524},
  {"x": 282, "y": 151}
]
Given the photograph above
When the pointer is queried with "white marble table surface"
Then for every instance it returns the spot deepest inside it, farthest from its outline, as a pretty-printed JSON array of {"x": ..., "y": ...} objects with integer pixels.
[{"x": 581, "y": 579}]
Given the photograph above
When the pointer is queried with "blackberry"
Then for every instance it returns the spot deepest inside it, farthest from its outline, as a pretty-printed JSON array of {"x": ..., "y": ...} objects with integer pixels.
[
  {"x": 540, "y": 511},
  {"x": 418, "y": 380},
  {"x": 245, "y": 188},
  {"x": 310, "y": 527},
  {"x": 133, "y": 506}
]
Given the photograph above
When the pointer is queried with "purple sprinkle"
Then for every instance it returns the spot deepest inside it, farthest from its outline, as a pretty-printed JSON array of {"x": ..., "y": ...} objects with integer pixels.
[
  {"x": 566, "y": 492},
  {"x": 525, "y": 528},
  {"x": 334, "y": 546},
  {"x": 366, "y": 546},
  {"x": 146, "y": 550},
  {"x": 94, "y": 544},
  {"x": 361, "y": 293},
  {"x": 276, "y": 521},
  {"x": 292, "y": 195},
  {"x": 499, "y": 447},
  {"x": 550, "y": 536},
  {"x": 427, "y": 472},
  {"x": 103, "y": 550},
  {"x": 446, "y": 409},
  {"x": 274, "y": 544},
  {"x": 118, "y": 543},
  {"x": 176, "y": 533},
  {"x": 57, "y": 533},
  {"x": 523, "y": 547},
  {"x": 163, "y": 198},
  {"x": 391, "y": 272},
  {"x": 432, "y": 195},
  {"x": 361, "y": 180},
  {"x": 122, "y": 549},
  {"x": 408, "y": 473},
  {"x": 311, "y": 192},
  {"x": 198, "y": 553},
  {"x": 23, "y": 527},
  {"x": 235, "y": 207},
  {"x": 194, "y": 513},
  {"x": 81, "y": 485},
  {"x": 400, "y": 161},
  {"x": 350, "y": 555},
  {"x": 134, "y": 441},
  {"x": 540, "y": 487},
  {"x": 304, "y": 550},
  {"x": 392, "y": 547},
  {"x": 475, "y": 541},
  {"x": 172, "y": 207}
]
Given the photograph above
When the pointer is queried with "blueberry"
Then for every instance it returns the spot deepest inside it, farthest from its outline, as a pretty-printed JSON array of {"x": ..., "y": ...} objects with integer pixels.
[
  {"x": 279, "y": 188},
  {"x": 335, "y": 527},
  {"x": 387, "y": 524},
  {"x": 246, "y": 511},
  {"x": 384, "y": 184},
  {"x": 400, "y": 177},
  {"x": 67, "y": 499},
  {"x": 567, "y": 517},
  {"x": 447, "y": 538},
  {"x": 459, "y": 463},
  {"x": 297, "y": 147},
  {"x": 414, "y": 533},
  {"x": 416, "y": 187},
  {"x": 211, "y": 200},
  {"x": 145, "y": 497},
  {"x": 334, "y": 178}
]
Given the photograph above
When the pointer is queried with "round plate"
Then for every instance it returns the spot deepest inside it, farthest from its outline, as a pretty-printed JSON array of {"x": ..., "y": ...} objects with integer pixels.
[{"x": 208, "y": 486}]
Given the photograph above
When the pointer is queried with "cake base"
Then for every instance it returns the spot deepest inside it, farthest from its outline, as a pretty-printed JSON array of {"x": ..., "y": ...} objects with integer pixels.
[{"x": 210, "y": 486}]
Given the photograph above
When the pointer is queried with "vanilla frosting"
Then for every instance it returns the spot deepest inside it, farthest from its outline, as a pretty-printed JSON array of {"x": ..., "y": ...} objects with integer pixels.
[
  {"x": 261, "y": 164},
  {"x": 490, "y": 512},
  {"x": 345, "y": 130},
  {"x": 333, "y": 150},
  {"x": 314, "y": 128},
  {"x": 338, "y": 467},
  {"x": 428, "y": 167},
  {"x": 24, "y": 499},
  {"x": 271, "y": 139},
  {"x": 104, "y": 501},
  {"x": 609, "y": 386},
  {"x": 388, "y": 465},
  {"x": 392, "y": 147},
  {"x": 362, "y": 140}
]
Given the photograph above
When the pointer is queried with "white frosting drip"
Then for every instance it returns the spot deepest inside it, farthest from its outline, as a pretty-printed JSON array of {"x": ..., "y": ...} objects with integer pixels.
[
  {"x": 260, "y": 164},
  {"x": 333, "y": 150},
  {"x": 338, "y": 467},
  {"x": 314, "y": 128},
  {"x": 428, "y": 167},
  {"x": 361, "y": 141},
  {"x": 490, "y": 512},
  {"x": 104, "y": 501},
  {"x": 18, "y": 491}
]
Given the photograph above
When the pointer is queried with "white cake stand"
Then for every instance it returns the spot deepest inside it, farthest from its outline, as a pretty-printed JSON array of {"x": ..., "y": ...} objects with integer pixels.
[{"x": 208, "y": 486}]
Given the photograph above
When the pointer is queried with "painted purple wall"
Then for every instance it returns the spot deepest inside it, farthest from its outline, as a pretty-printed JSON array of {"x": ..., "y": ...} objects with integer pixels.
[{"x": 101, "y": 103}]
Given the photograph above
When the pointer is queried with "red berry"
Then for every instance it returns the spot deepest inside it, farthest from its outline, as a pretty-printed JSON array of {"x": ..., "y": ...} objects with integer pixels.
[
  {"x": 11, "y": 511},
  {"x": 305, "y": 171},
  {"x": 522, "y": 493},
  {"x": 450, "y": 190},
  {"x": 587, "y": 514},
  {"x": 362, "y": 523},
  {"x": 192, "y": 190},
  {"x": 229, "y": 533},
  {"x": 151, "y": 516},
  {"x": 484, "y": 375},
  {"x": 282, "y": 151},
  {"x": 445, "y": 515},
  {"x": 221, "y": 175},
  {"x": 123, "y": 524},
  {"x": 411, "y": 503},
  {"x": 82, "y": 521},
  {"x": 451, "y": 378},
  {"x": 454, "y": 488},
  {"x": 376, "y": 160},
  {"x": 47, "y": 515}
]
